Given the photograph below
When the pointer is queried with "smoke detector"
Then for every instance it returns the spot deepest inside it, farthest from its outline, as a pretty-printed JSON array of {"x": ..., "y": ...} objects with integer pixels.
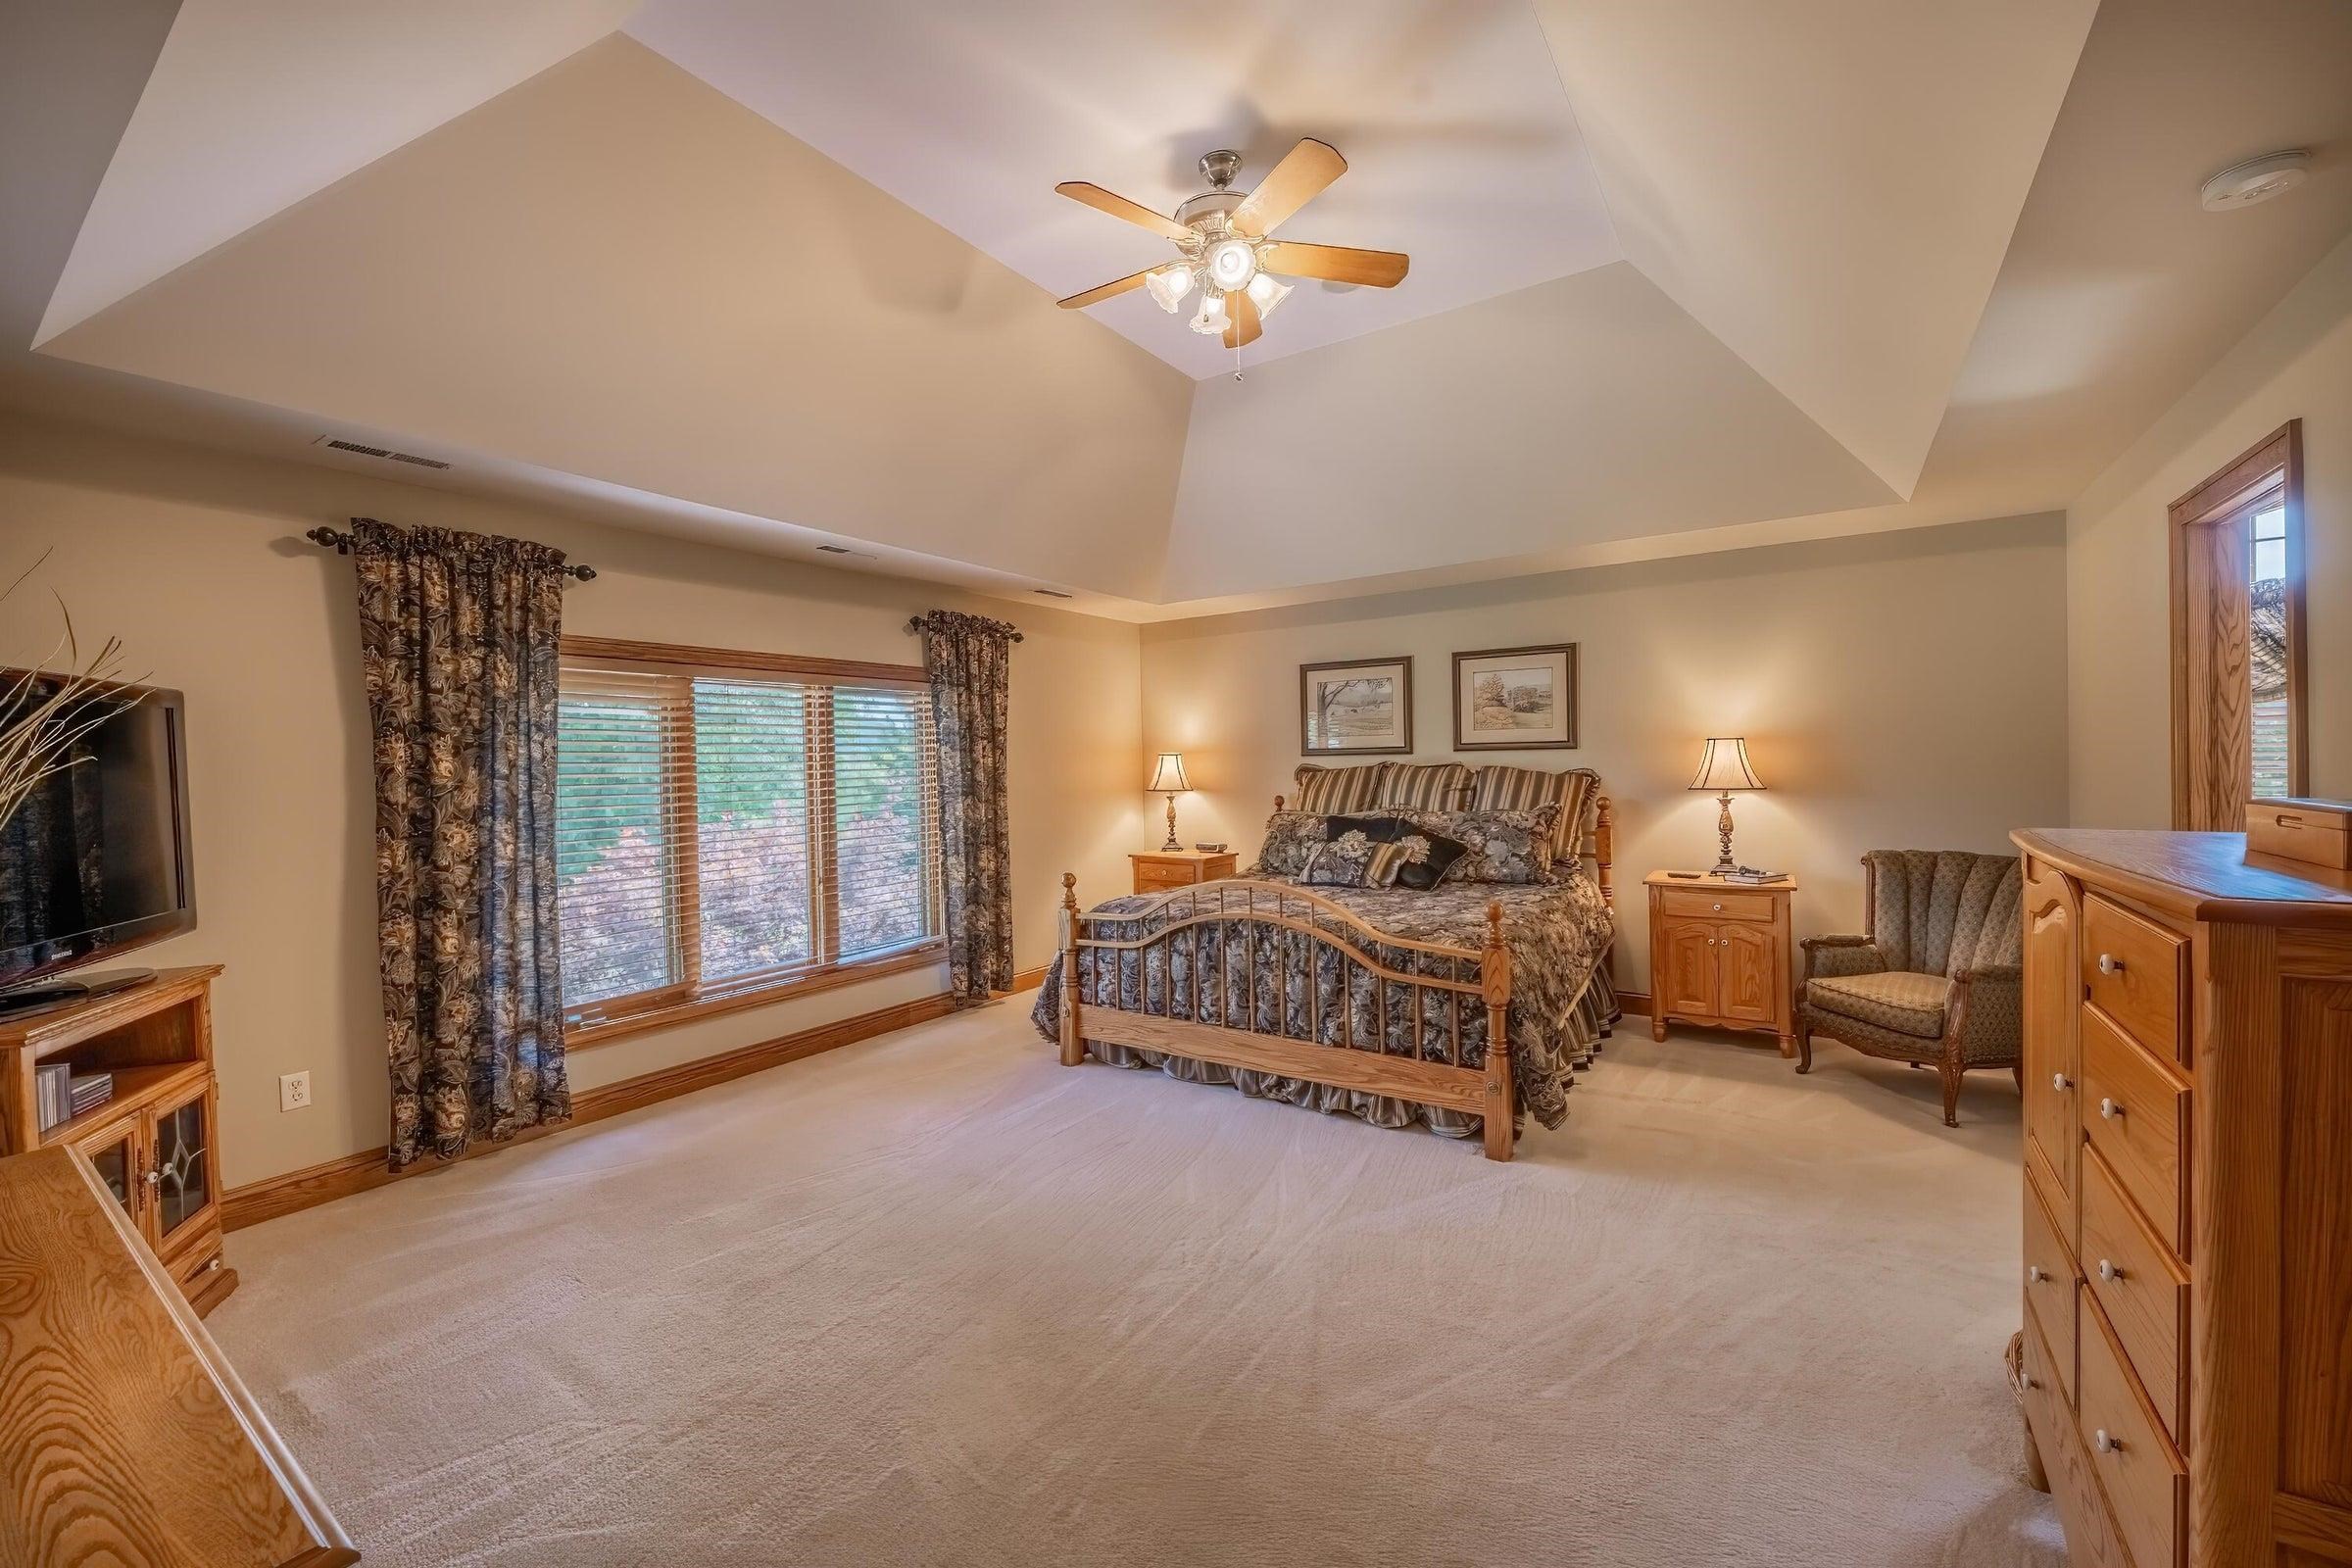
[{"x": 2257, "y": 180}]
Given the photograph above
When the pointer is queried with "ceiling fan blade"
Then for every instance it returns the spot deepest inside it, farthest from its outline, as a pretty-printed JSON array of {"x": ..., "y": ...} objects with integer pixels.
[
  {"x": 1290, "y": 185},
  {"x": 1245, "y": 325},
  {"x": 1106, "y": 290},
  {"x": 1117, "y": 206},
  {"x": 1340, "y": 263}
]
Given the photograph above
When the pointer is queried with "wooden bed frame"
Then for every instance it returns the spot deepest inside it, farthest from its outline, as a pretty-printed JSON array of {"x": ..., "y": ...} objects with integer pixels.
[{"x": 1466, "y": 974}]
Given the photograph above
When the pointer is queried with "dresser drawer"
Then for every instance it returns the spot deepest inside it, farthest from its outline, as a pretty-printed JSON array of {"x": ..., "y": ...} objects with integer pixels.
[
  {"x": 2133, "y": 968},
  {"x": 2141, "y": 1288},
  {"x": 2050, "y": 1287},
  {"x": 2145, "y": 1482},
  {"x": 2136, "y": 1114},
  {"x": 1711, "y": 903},
  {"x": 1165, "y": 877}
]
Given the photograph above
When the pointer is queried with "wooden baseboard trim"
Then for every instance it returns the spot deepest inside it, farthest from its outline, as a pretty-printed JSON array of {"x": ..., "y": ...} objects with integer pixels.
[
  {"x": 298, "y": 1189},
  {"x": 1030, "y": 979},
  {"x": 1633, "y": 1003}
]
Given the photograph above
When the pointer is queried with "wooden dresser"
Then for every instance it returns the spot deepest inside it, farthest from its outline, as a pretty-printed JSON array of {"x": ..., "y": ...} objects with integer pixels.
[
  {"x": 1720, "y": 956},
  {"x": 126, "y": 1437},
  {"x": 2188, "y": 1337},
  {"x": 1163, "y": 869}
]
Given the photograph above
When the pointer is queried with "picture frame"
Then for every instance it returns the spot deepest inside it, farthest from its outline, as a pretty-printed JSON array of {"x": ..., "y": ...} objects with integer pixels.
[
  {"x": 1357, "y": 707},
  {"x": 1515, "y": 699}
]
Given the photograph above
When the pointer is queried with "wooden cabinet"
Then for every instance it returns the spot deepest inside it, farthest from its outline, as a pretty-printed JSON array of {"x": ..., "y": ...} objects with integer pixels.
[
  {"x": 1719, "y": 956},
  {"x": 2189, "y": 1281},
  {"x": 1163, "y": 869},
  {"x": 153, "y": 1145},
  {"x": 129, "y": 1438}
]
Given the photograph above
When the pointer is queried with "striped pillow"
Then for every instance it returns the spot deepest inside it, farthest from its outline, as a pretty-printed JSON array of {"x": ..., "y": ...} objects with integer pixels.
[
  {"x": 1497, "y": 788},
  {"x": 1336, "y": 790},
  {"x": 1425, "y": 787}
]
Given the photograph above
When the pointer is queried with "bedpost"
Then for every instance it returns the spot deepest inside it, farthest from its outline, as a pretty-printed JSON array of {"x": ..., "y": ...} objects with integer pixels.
[
  {"x": 1073, "y": 1047},
  {"x": 1278, "y": 803},
  {"x": 1495, "y": 979}
]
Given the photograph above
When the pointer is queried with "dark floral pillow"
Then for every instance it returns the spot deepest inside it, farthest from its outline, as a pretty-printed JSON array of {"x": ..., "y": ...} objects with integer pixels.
[
  {"x": 1511, "y": 847},
  {"x": 1424, "y": 859},
  {"x": 1381, "y": 829},
  {"x": 1289, "y": 837},
  {"x": 1350, "y": 859}
]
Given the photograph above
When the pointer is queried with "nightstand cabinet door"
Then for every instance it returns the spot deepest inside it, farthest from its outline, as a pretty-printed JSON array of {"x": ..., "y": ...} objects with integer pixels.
[
  {"x": 1686, "y": 982},
  {"x": 1747, "y": 967}
]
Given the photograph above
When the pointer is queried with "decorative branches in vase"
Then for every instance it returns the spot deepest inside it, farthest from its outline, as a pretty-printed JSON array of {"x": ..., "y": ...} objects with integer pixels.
[{"x": 48, "y": 705}]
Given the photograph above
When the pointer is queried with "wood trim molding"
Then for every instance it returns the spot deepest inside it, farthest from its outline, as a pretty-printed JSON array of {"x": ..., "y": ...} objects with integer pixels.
[
  {"x": 1633, "y": 1003},
  {"x": 588, "y": 1035},
  {"x": 1029, "y": 979},
  {"x": 723, "y": 660},
  {"x": 298, "y": 1189}
]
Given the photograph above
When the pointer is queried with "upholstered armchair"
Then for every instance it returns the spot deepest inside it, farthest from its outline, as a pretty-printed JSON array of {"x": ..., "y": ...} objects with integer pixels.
[{"x": 1935, "y": 978}]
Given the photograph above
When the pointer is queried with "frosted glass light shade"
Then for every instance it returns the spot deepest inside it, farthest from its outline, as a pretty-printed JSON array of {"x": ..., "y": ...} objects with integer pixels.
[
  {"x": 1170, "y": 285},
  {"x": 1212, "y": 319},
  {"x": 1267, "y": 291}
]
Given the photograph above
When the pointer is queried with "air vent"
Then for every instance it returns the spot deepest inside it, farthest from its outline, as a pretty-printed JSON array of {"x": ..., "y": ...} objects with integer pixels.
[
  {"x": 386, "y": 453},
  {"x": 1052, "y": 593}
]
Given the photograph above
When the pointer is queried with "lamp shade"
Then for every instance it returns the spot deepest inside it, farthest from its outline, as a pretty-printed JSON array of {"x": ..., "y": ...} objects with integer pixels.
[
  {"x": 1167, "y": 778},
  {"x": 1723, "y": 767}
]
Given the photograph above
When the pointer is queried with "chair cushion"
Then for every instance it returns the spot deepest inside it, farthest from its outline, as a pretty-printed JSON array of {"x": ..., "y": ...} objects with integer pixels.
[{"x": 1908, "y": 1003}]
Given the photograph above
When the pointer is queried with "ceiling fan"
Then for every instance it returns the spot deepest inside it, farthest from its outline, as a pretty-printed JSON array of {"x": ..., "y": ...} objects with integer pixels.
[{"x": 1228, "y": 244}]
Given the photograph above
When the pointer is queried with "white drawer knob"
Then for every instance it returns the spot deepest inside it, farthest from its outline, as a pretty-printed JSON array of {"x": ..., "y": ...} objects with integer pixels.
[
  {"x": 2109, "y": 964},
  {"x": 2033, "y": 1274},
  {"x": 2060, "y": 1082},
  {"x": 2109, "y": 1109},
  {"x": 1719, "y": 909},
  {"x": 2100, "y": 1441},
  {"x": 2109, "y": 1272}
]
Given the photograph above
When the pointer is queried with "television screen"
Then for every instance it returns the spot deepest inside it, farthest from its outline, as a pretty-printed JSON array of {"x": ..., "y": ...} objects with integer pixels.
[{"x": 95, "y": 859}]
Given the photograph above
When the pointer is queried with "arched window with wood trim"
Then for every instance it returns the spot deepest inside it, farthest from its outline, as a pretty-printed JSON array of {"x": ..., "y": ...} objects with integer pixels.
[{"x": 2239, "y": 725}]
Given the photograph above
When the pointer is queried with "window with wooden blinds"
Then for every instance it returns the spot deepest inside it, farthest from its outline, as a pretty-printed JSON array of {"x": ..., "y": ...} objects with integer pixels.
[{"x": 728, "y": 824}]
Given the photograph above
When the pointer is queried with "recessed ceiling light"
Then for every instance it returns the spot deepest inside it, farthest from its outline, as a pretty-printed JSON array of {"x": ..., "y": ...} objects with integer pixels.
[{"x": 2257, "y": 180}]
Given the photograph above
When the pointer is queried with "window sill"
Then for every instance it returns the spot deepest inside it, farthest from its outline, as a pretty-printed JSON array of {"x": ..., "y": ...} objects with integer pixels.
[{"x": 605, "y": 1028}]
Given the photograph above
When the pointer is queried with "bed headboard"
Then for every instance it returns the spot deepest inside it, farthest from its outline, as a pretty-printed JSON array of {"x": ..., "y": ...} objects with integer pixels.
[{"x": 1596, "y": 842}]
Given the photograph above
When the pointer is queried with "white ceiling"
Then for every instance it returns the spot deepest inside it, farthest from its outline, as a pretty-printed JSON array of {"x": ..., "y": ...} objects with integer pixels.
[
  {"x": 1461, "y": 148},
  {"x": 784, "y": 274}
]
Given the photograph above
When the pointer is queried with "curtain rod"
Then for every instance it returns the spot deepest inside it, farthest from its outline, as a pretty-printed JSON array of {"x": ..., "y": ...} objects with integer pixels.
[{"x": 342, "y": 544}]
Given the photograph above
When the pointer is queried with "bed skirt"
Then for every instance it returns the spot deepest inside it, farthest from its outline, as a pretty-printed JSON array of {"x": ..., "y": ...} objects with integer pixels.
[{"x": 1589, "y": 1022}]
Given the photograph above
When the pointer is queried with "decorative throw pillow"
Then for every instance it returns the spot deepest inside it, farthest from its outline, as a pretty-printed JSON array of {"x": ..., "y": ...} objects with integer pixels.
[
  {"x": 1289, "y": 837},
  {"x": 1426, "y": 787},
  {"x": 1511, "y": 847},
  {"x": 1327, "y": 790},
  {"x": 1379, "y": 829},
  {"x": 1347, "y": 861},
  {"x": 1423, "y": 859}
]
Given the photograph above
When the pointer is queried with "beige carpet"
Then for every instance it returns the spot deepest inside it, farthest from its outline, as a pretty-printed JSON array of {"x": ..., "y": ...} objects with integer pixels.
[{"x": 934, "y": 1300}]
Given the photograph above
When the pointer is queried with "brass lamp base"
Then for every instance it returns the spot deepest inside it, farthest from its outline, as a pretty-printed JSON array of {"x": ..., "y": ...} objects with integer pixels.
[
  {"x": 1173, "y": 842},
  {"x": 1723, "y": 827}
]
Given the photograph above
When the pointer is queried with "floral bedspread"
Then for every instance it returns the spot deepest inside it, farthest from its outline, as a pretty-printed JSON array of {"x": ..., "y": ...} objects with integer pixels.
[{"x": 1561, "y": 1003}]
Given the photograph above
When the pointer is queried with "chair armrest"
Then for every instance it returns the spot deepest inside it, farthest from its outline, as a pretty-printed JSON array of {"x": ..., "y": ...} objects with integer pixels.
[
  {"x": 1987, "y": 1014},
  {"x": 1831, "y": 956}
]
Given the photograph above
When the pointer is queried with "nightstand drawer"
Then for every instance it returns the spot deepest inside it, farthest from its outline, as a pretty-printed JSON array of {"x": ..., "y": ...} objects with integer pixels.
[
  {"x": 1711, "y": 903},
  {"x": 1166, "y": 876},
  {"x": 1158, "y": 873}
]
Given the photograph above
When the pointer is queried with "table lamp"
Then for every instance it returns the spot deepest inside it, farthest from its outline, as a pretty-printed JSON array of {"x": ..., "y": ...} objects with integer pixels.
[
  {"x": 1168, "y": 779},
  {"x": 1722, "y": 768}
]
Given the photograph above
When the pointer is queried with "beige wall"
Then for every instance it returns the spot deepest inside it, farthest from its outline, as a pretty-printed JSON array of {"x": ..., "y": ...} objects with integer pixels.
[
  {"x": 196, "y": 559},
  {"x": 2297, "y": 363},
  {"x": 1897, "y": 691}
]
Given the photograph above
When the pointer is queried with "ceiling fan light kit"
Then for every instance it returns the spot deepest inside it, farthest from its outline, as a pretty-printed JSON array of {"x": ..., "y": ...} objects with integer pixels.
[{"x": 1228, "y": 245}]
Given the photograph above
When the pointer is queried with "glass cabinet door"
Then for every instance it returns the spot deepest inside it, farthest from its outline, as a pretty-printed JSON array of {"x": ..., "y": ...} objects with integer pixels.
[
  {"x": 182, "y": 1173},
  {"x": 115, "y": 1155}
]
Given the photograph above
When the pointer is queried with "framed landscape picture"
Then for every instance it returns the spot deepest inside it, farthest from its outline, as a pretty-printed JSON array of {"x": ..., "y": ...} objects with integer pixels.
[
  {"x": 1515, "y": 699},
  {"x": 1359, "y": 707}
]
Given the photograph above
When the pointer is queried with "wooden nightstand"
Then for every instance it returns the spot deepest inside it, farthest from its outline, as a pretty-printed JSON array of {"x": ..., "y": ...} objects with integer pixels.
[
  {"x": 1720, "y": 956},
  {"x": 1163, "y": 869}
]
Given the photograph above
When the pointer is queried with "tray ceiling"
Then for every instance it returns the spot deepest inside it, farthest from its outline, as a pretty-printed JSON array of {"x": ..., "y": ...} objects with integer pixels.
[{"x": 788, "y": 272}]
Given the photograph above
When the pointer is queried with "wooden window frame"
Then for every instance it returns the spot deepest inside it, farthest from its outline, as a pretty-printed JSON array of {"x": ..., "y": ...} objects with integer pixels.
[
  {"x": 2274, "y": 466},
  {"x": 612, "y": 1018}
]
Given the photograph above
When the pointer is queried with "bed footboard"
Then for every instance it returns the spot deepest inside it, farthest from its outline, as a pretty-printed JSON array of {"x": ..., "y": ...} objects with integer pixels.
[{"x": 1440, "y": 984}]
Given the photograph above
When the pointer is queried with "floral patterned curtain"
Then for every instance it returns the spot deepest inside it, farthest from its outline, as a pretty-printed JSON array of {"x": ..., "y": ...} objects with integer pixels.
[
  {"x": 457, "y": 635},
  {"x": 968, "y": 658}
]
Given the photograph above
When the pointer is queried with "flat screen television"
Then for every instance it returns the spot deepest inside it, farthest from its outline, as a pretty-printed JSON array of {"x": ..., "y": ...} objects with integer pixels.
[{"x": 95, "y": 860}]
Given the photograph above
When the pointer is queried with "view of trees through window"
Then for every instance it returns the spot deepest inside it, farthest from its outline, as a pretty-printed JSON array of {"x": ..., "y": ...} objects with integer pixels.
[
  {"x": 2267, "y": 662},
  {"x": 713, "y": 831}
]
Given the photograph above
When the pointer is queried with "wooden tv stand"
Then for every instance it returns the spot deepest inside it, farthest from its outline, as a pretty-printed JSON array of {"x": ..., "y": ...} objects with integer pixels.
[{"x": 153, "y": 1145}]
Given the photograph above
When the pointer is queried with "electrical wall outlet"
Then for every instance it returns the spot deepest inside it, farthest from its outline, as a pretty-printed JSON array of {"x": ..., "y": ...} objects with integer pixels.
[{"x": 293, "y": 1091}]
